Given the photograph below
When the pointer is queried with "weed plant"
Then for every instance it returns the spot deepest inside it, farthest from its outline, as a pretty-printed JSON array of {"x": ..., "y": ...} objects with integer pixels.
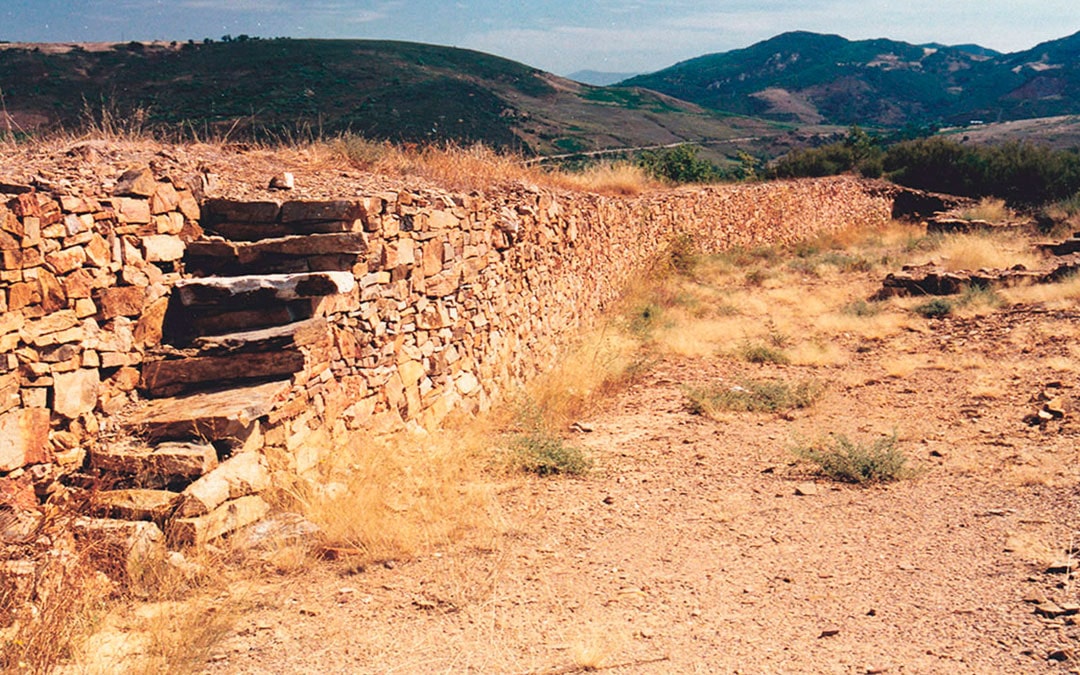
[
  {"x": 760, "y": 353},
  {"x": 755, "y": 396},
  {"x": 935, "y": 309},
  {"x": 536, "y": 448},
  {"x": 857, "y": 462}
]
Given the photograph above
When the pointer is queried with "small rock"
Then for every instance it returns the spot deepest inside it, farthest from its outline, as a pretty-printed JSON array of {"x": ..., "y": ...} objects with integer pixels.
[
  {"x": 1049, "y": 609},
  {"x": 1061, "y": 566},
  {"x": 807, "y": 489},
  {"x": 1035, "y": 598},
  {"x": 609, "y": 500},
  {"x": 283, "y": 181},
  {"x": 1061, "y": 655},
  {"x": 583, "y": 427},
  {"x": 829, "y": 632},
  {"x": 307, "y": 610}
]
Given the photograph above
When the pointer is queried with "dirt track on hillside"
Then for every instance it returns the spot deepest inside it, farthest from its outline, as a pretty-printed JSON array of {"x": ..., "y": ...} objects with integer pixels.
[{"x": 689, "y": 550}]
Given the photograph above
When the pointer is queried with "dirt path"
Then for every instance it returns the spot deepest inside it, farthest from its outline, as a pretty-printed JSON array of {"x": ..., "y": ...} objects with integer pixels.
[{"x": 688, "y": 549}]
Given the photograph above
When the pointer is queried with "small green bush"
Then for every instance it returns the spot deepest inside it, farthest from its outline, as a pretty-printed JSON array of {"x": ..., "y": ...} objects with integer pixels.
[
  {"x": 935, "y": 309},
  {"x": 855, "y": 462},
  {"x": 757, "y": 352},
  {"x": 756, "y": 396},
  {"x": 535, "y": 448},
  {"x": 862, "y": 308},
  {"x": 545, "y": 454}
]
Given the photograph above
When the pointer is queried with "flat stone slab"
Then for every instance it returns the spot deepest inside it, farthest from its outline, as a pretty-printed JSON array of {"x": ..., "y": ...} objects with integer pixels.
[
  {"x": 274, "y": 254},
  {"x": 161, "y": 463},
  {"x": 134, "y": 504},
  {"x": 230, "y": 516},
  {"x": 239, "y": 476},
  {"x": 296, "y": 334},
  {"x": 933, "y": 280},
  {"x": 173, "y": 376},
  {"x": 221, "y": 415},
  {"x": 258, "y": 289}
]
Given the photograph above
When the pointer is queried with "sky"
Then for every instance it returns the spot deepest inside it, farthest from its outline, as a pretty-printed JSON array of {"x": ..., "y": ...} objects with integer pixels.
[{"x": 561, "y": 36}]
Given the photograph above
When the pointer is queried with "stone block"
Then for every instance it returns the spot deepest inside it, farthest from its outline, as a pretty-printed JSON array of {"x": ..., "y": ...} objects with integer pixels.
[
  {"x": 301, "y": 211},
  {"x": 76, "y": 392},
  {"x": 241, "y": 475},
  {"x": 156, "y": 465},
  {"x": 228, "y": 517},
  {"x": 24, "y": 438},
  {"x": 227, "y": 210},
  {"x": 133, "y": 211},
  {"x": 134, "y": 504},
  {"x": 120, "y": 301},
  {"x": 164, "y": 199},
  {"x": 138, "y": 182},
  {"x": 163, "y": 248},
  {"x": 121, "y": 548}
]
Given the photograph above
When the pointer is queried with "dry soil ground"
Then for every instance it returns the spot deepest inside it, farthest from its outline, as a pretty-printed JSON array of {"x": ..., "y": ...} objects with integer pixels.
[
  {"x": 691, "y": 548},
  {"x": 701, "y": 543}
]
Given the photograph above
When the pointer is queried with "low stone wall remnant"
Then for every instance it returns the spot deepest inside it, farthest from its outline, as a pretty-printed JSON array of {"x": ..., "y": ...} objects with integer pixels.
[{"x": 283, "y": 327}]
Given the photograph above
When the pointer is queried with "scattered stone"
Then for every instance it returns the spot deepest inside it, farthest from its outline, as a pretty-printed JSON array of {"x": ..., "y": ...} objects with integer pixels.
[
  {"x": 1049, "y": 609},
  {"x": 1062, "y": 655},
  {"x": 283, "y": 181},
  {"x": 829, "y": 632},
  {"x": 1061, "y": 566},
  {"x": 807, "y": 490}
]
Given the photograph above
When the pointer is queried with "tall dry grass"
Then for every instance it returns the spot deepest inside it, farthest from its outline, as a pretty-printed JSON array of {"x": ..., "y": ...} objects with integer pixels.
[{"x": 478, "y": 166}]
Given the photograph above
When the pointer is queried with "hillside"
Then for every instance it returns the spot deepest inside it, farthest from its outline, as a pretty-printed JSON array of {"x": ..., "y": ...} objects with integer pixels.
[
  {"x": 287, "y": 89},
  {"x": 812, "y": 78}
]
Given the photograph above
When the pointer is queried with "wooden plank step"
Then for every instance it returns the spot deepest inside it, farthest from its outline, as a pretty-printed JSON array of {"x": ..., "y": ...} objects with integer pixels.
[
  {"x": 157, "y": 465},
  {"x": 228, "y": 415}
]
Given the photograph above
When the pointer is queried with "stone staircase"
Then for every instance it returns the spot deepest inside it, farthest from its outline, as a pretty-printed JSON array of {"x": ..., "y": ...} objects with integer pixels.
[{"x": 249, "y": 324}]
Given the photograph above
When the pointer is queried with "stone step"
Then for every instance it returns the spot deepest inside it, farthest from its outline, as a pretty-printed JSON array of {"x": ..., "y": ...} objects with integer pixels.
[
  {"x": 134, "y": 504},
  {"x": 289, "y": 254},
  {"x": 229, "y": 416},
  {"x": 221, "y": 305},
  {"x": 220, "y": 361},
  {"x": 154, "y": 466},
  {"x": 312, "y": 332},
  {"x": 252, "y": 221},
  {"x": 255, "y": 290},
  {"x": 230, "y": 516},
  {"x": 170, "y": 377}
]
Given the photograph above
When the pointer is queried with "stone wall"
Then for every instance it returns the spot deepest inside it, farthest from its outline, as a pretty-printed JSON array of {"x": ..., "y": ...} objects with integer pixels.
[{"x": 393, "y": 308}]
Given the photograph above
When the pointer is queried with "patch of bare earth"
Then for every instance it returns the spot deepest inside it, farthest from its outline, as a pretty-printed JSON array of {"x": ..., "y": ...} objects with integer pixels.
[{"x": 688, "y": 549}]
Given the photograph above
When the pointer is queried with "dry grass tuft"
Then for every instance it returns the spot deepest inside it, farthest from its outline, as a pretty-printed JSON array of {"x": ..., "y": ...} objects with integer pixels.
[
  {"x": 990, "y": 209},
  {"x": 392, "y": 497},
  {"x": 980, "y": 250}
]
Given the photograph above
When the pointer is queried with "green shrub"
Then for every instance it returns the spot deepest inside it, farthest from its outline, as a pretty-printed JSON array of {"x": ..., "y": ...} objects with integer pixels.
[
  {"x": 756, "y": 396},
  {"x": 545, "y": 454},
  {"x": 857, "y": 462},
  {"x": 535, "y": 448},
  {"x": 757, "y": 352},
  {"x": 862, "y": 308},
  {"x": 680, "y": 164},
  {"x": 935, "y": 309}
]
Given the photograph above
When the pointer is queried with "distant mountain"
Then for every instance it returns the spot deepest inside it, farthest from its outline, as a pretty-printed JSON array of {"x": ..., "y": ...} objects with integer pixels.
[
  {"x": 297, "y": 89},
  {"x": 813, "y": 78},
  {"x": 599, "y": 78}
]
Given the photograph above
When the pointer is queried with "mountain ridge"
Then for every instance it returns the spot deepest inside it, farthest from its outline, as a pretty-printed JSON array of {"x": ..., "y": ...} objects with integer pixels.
[{"x": 807, "y": 77}]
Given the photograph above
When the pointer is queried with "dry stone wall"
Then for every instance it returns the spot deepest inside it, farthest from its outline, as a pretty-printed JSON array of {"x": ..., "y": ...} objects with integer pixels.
[{"x": 370, "y": 313}]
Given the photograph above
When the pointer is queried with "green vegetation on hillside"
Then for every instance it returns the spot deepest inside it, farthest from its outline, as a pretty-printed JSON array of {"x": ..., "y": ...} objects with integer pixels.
[{"x": 1023, "y": 174}]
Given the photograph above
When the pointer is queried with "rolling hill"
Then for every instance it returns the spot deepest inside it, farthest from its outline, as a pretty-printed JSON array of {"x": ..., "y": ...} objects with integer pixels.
[
  {"x": 288, "y": 89},
  {"x": 812, "y": 78}
]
